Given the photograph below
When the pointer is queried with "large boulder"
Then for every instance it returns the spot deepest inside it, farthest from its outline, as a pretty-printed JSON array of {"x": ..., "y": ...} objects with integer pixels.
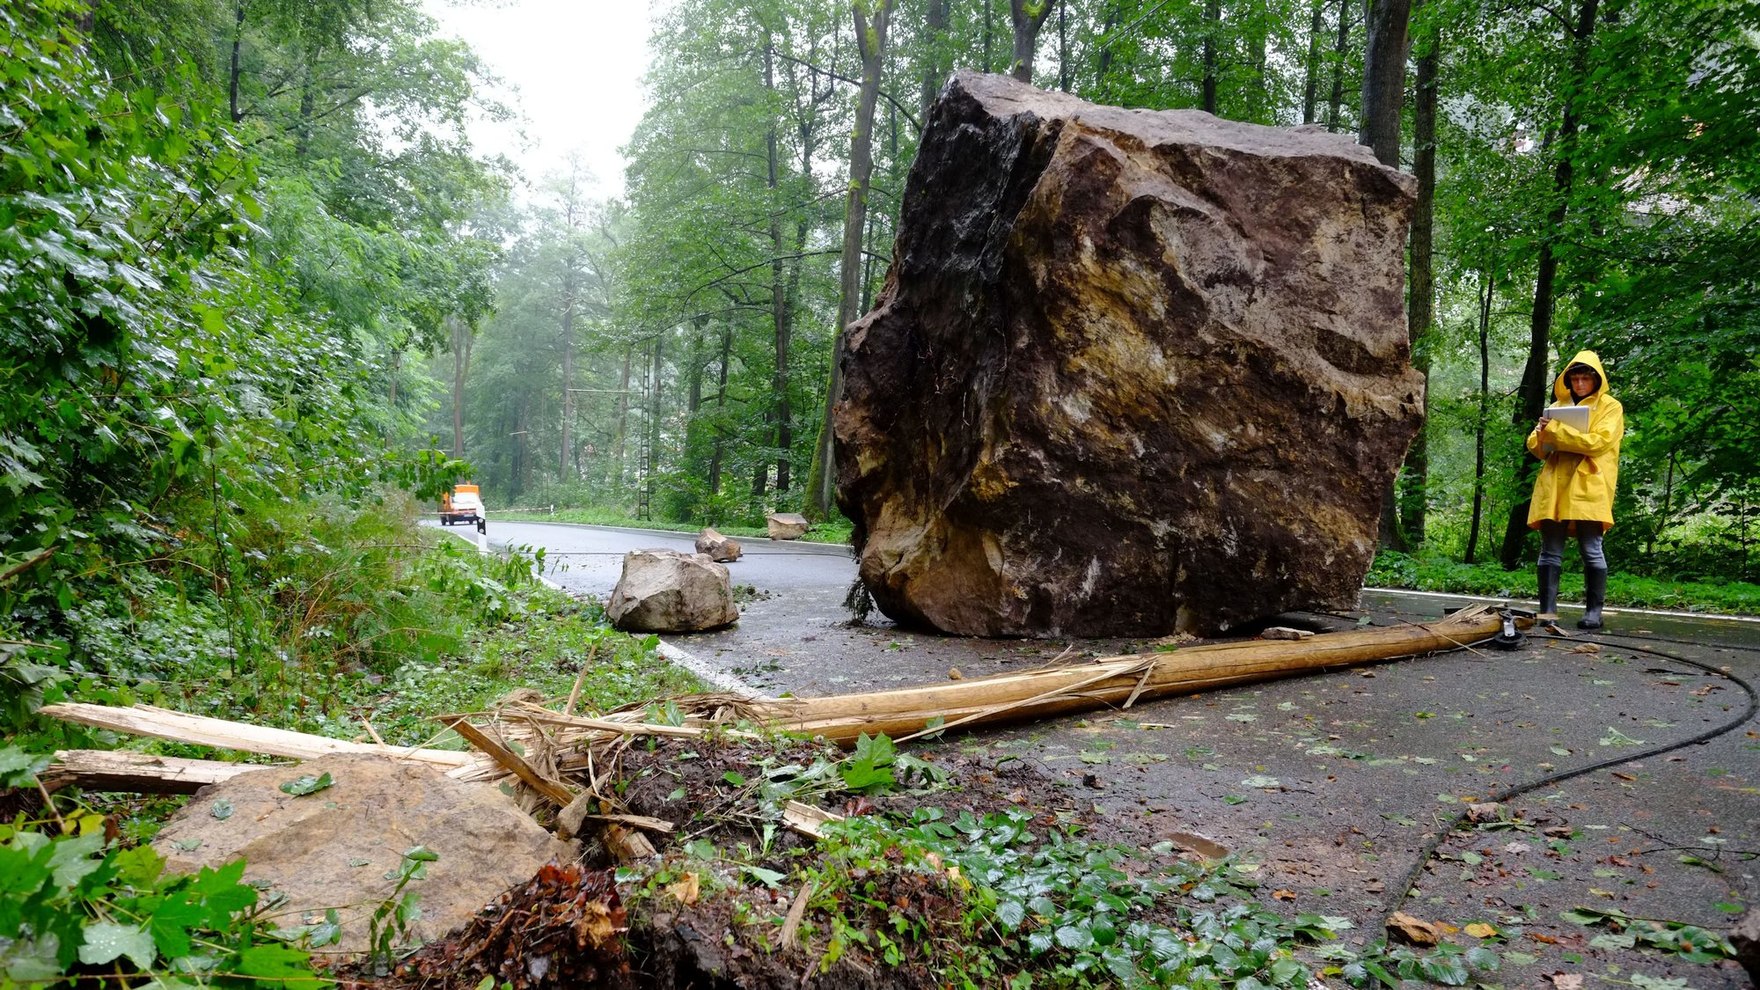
[
  {"x": 342, "y": 846},
  {"x": 721, "y": 549},
  {"x": 786, "y": 525},
  {"x": 1131, "y": 372},
  {"x": 668, "y": 591}
]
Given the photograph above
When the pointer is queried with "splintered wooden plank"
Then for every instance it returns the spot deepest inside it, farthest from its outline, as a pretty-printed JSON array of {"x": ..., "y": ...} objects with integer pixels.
[
  {"x": 1116, "y": 681},
  {"x": 510, "y": 761},
  {"x": 161, "y": 723},
  {"x": 138, "y": 773}
]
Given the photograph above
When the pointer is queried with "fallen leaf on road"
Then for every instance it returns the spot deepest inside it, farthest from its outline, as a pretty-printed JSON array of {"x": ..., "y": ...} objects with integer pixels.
[
  {"x": 1403, "y": 927},
  {"x": 1489, "y": 811},
  {"x": 1516, "y": 848},
  {"x": 1480, "y": 929},
  {"x": 1567, "y": 981},
  {"x": 953, "y": 674},
  {"x": 1284, "y": 895},
  {"x": 1543, "y": 939},
  {"x": 1586, "y": 648},
  {"x": 1208, "y": 848}
]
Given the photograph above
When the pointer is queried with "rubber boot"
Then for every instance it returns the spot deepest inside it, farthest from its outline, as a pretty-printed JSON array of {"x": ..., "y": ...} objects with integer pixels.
[
  {"x": 1594, "y": 595},
  {"x": 1548, "y": 573}
]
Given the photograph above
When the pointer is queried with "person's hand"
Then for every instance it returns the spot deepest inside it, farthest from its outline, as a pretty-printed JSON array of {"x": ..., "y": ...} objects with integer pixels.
[{"x": 1540, "y": 427}]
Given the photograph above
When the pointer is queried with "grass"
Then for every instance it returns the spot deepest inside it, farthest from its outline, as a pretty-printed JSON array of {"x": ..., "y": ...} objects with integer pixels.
[{"x": 1433, "y": 572}]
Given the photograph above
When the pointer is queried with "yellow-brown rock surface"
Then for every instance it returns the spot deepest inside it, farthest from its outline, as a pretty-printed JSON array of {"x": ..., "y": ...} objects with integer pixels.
[{"x": 1131, "y": 372}]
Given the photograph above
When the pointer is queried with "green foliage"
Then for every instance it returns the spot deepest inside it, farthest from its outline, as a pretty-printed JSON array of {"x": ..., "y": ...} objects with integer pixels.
[
  {"x": 1688, "y": 942},
  {"x": 1434, "y": 572},
  {"x": 76, "y": 909},
  {"x": 1047, "y": 911}
]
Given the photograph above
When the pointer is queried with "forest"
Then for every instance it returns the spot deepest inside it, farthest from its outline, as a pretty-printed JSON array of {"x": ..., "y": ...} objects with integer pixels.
[
  {"x": 1587, "y": 173},
  {"x": 262, "y": 301}
]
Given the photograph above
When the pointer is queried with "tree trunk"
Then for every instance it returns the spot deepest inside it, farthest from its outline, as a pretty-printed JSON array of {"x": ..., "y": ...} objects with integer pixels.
[
  {"x": 1535, "y": 377},
  {"x": 1384, "y": 74},
  {"x": 989, "y": 34},
  {"x": 1212, "y": 24},
  {"x": 1384, "y": 79},
  {"x": 871, "y": 42},
  {"x": 1103, "y": 64},
  {"x": 461, "y": 368},
  {"x": 1487, "y": 295},
  {"x": 720, "y": 446},
  {"x": 232, "y": 75},
  {"x": 1027, "y": 17},
  {"x": 1311, "y": 82},
  {"x": 1339, "y": 50},
  {"x": 1422, "y": 309},
  {"x": 1063, "y": 80},
  {"x": 780, "y": 316},
  {"x": 656, "y": 408},
  {"x": 620, "y": 448},
  {"x": 933, "y": 74}
]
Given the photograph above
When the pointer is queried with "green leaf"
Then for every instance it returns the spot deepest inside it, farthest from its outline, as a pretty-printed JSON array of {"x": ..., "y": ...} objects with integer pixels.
[
  {"x": 274, "y": 961},
  {"x": 769, "y": 878},
  {"x": 107, "y": 941},
  {"x": 171, "y": 922},
  {"x": 72, "y": 859},
  {"x": 307, "y": 784},
  {"x": 221, "y": 809},
  {"x": 1075, "y": 938},
  {"x": 19, "y": 768}
]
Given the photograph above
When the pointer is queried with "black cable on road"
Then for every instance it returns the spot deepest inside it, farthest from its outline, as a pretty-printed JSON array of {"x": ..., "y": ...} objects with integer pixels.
[{"x": 1428, "y": 851}]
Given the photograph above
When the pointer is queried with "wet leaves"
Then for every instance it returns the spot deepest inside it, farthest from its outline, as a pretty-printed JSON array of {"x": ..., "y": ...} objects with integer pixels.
[{"x": 307, "y": 784}]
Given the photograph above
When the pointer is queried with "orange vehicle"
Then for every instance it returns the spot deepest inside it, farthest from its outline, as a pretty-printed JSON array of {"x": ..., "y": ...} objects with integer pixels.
[{"x": 464, "y": 504}]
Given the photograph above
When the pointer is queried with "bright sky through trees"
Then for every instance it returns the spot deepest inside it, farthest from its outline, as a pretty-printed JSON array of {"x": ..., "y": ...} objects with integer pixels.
[{"x": 571, "y": 69}]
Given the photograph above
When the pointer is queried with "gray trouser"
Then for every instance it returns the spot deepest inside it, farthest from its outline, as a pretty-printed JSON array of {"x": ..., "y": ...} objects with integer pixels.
[{"x": 1552, "y": 537}]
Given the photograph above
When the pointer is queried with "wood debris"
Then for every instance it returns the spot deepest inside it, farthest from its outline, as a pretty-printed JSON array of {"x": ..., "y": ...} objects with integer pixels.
[{"x": 570, "y": 762}]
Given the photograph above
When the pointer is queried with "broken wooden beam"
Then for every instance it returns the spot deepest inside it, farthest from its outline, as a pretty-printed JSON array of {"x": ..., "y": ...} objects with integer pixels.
[
  {"x": 138, "y": 773},
  {"x": 162, "y": 723},
  {"x": 510, "y": 761},
  {"x": 1115, "y": 681}
]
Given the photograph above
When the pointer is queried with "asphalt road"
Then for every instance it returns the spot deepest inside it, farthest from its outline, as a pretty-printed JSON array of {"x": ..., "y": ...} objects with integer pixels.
[{"x": 1335, "y": 785}]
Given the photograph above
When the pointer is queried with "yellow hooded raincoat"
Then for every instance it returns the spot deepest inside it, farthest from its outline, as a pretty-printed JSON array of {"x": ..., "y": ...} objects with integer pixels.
[{"x": 1579, "y": 469}]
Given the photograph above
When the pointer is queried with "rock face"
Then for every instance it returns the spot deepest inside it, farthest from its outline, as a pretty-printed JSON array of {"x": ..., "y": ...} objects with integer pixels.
[
  {"x": 786, "y": 525},
  {"x": 718, "y": 547},
  {"x": 1131, "y": 372},
  {"x": 332, "y": 848},
  {"x": 668, "y": 591}
]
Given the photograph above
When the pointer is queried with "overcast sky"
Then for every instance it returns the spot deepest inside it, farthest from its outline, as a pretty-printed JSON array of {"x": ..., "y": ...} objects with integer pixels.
[{"x": 571, "y": 68}]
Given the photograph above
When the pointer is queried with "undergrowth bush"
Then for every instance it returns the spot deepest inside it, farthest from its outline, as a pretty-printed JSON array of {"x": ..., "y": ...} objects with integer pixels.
[
  {"x": 320, "y": 616},
  {"x": 1434, "y": 572}
]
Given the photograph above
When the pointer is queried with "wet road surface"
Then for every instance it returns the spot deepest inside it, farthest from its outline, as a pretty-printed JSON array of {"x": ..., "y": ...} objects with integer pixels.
[{"x": 1337, "y": 784}]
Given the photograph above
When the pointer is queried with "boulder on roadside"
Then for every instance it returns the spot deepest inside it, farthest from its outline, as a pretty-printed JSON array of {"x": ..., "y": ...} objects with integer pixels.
[
  {"x": 1132, "y": 372},
  {"x": 721, "y": 549},
  {"x": 668, "y": 591},
  {"x": 786, "y": 525},
  {"x": 336, "y": 847}
]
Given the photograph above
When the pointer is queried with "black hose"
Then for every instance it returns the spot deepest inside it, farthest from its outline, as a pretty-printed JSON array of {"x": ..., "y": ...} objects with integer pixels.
[{"x": 1502, "y": 797}]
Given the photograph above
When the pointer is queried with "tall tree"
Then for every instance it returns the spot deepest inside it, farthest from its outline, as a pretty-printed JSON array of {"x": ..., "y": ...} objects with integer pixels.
[
  {"x": 1536, "y": 373},
  {"x": 871, "y": 17},
  {"x": 1026, "y": 17}
]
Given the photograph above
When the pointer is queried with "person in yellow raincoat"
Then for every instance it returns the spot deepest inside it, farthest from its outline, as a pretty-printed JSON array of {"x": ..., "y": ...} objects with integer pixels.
[{"x": 1573, "y": 496}]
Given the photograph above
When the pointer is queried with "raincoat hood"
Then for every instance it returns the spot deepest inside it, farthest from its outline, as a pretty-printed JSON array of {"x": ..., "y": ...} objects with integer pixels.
[{"x": 1561, "y": 391}]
